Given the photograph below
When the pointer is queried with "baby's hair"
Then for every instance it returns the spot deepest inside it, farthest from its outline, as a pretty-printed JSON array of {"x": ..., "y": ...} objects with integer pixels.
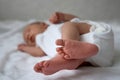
[
  {"x": 34, "y": 23},
  {"x": 37, "y": 22}
]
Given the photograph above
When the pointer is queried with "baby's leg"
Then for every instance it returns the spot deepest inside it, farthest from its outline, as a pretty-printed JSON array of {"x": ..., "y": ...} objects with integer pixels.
[
  {"x": 57, "y": 63},
  {"x": 72, "y": 47},
  {"x": 72, "y": 30}
]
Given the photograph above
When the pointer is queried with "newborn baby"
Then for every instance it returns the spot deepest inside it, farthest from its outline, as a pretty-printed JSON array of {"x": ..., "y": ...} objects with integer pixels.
[{"x": 80, "y": 41}]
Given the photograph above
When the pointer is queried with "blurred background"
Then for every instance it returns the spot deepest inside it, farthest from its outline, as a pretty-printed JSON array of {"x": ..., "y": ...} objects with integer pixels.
[{"x": 41, "y": 9}]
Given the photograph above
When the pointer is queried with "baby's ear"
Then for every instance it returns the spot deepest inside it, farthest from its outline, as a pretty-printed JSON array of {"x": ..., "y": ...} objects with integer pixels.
[{"x": 43, "y": 23}]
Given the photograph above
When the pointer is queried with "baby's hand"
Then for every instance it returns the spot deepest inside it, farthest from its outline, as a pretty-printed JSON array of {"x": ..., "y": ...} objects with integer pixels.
[
  {"x": 55, "y": 17},
  {"x": 21, "y": 47}
]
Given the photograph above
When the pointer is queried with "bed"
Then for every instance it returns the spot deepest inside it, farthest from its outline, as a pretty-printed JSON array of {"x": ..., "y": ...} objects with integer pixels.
[{"x": 16, "y": 65}]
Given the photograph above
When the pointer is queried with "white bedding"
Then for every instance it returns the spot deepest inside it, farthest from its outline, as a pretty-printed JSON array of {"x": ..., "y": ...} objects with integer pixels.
[{"x": 16, "y": 65}]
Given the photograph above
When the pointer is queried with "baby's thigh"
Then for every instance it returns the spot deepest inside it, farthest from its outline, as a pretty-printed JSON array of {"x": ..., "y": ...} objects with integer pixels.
[{"x": 70, "y": 31}]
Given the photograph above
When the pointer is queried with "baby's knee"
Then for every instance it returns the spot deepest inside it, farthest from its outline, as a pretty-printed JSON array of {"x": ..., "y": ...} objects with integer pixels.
[
  {"x": 70, "y": 27},
  {"x": 68, "y": 24}
]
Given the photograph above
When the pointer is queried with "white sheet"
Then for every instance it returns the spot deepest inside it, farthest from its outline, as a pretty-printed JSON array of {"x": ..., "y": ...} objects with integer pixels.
[{"x": 16, "y": 65}]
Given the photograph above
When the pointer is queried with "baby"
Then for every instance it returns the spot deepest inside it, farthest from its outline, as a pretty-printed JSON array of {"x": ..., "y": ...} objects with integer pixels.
[{"x": 80, "y": 41}]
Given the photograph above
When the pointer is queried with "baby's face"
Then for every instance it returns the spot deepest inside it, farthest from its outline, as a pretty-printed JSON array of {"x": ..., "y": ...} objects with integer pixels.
[{"x": 31, "y": 31}]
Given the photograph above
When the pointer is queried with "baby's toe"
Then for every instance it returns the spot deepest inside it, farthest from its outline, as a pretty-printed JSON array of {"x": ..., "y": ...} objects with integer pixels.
[
  {"x": 37, "y": 68},
  {"x": 45, "y": 63},
  {"x": 67, "y": 56},
  {"x": 60, "y": 42},
  {"x": 59, "y": 49}
]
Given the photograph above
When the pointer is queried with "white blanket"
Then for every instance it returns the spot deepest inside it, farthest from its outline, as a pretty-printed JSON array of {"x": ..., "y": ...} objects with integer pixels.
[{"x": 16, "y": 65}]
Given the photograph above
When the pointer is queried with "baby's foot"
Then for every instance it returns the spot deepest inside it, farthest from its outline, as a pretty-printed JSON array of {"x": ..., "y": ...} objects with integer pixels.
[
  {"x": 72, "y": 49},
  {"x": 56, "y": 64}
]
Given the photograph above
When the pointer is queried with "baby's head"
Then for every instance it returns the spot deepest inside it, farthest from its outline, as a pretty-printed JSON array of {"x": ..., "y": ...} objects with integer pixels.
[{"x": 31, "y": 30}]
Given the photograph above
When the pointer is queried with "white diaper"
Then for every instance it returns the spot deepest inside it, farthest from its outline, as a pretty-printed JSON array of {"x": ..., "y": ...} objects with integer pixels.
[{"x": 100, "y": 34}]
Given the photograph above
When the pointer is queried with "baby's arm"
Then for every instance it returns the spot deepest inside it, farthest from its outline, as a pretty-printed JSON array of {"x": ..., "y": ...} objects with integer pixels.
[
  {"x": 58, "y": 17},
  {"x": 32, "y": 50}
]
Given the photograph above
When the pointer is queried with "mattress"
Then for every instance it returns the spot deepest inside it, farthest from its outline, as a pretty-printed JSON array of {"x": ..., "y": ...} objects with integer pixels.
[{"x": 16, "y": 65}]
